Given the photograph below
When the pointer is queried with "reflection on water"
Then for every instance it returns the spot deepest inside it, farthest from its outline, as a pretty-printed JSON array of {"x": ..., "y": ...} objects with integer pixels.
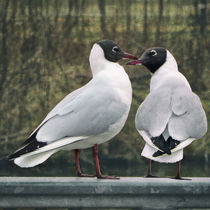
[{"x": 44, "y": 55}]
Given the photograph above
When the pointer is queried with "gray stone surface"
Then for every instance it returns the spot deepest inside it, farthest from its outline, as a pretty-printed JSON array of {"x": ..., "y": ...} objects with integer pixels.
[{"x": 128, "y": 192}]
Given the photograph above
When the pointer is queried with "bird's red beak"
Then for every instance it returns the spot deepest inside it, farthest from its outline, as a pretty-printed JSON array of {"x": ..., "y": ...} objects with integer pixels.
[
  {"x": 129, "y": 56},
  {"x": 136, "y": 62}
]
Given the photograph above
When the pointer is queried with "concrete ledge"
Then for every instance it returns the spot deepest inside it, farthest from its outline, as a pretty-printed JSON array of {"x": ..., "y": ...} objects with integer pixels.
[{"x": 128, "y": 192}]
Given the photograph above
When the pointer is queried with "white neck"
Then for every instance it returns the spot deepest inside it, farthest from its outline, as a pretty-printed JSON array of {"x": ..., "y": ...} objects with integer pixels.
[
  {"x": 97, "y": 60},
  {"x": 165, "y": 73},
  {"x": 110, "y": 74},
  {"x": 170, "y": 65}
]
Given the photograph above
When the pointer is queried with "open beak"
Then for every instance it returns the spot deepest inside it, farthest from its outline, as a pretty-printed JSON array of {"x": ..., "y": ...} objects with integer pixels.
[
  {"x": 129, "y": 56},
  {"x": 136, "y": 62}
]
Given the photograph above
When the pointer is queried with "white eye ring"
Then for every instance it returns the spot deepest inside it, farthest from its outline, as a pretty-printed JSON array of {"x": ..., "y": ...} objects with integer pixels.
[
  {"x": 115, "y": 49},
  {"x": 153, "y": 52}
]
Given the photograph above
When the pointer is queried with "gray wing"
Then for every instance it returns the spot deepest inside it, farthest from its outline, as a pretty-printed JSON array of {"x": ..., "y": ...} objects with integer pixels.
[
  {"x": 153, "y": 114},
  {"x": 63, "y": 103},
  {"x": 189, "y": 118},
  {"x": 90, "y": 112}
]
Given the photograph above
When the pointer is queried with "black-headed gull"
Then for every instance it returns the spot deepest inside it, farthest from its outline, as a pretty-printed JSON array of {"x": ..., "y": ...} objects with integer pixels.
[
  {"x": 171, "y": 117},
  {"x": 90, "y": 115}
]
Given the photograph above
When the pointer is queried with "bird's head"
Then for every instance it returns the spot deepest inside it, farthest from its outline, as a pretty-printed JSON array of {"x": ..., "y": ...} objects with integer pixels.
[
  {"x": 152, "y": 58},
  {"x": 109, "y": 51},
  {"x": 112, "y": 51}
]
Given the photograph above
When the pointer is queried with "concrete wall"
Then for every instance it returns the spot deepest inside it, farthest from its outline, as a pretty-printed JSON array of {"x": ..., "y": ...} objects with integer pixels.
[{"x": 127, "y": 192}]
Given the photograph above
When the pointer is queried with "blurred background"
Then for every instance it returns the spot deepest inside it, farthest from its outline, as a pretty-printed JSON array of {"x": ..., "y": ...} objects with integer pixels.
[{"x": 44, "y": 51}]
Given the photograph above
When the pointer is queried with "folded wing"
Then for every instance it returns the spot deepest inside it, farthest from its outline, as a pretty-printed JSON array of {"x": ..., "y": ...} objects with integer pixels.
[
  {"x": 177, "y": 113},
  {"x": 188, "y": 119},
  {"x": 90, "y": 113},
  {"x": 154, "y": 113},
  {"x": 84, "y": 113}
]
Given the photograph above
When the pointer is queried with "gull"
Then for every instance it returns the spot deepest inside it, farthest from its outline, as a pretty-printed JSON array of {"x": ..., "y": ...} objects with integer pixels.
[
  {"x": 171, "y": 117},
  {"x": 90, "y": 115}
]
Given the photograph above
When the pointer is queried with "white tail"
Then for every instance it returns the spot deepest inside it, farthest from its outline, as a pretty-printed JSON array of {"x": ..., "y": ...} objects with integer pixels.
[
  {"x": 38, "y": 156},
  {"x": 33, "y": 160}
]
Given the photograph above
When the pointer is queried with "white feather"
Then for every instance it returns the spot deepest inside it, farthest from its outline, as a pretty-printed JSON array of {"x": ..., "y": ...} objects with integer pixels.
[
  {"x": 33, "y": 160},
  {"x": 38, "y": 156},
  {"x": 148, "y": 151},
  {"x": 176, "y": 153},
  {"x": 56, "y": 145}
]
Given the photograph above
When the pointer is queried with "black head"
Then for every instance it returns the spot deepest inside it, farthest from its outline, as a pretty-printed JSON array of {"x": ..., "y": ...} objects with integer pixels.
[
  {"x": 112, "y": 51},
  {"x": 152, "y": 58}
]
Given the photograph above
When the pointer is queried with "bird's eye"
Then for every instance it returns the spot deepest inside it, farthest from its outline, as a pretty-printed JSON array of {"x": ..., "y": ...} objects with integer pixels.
[
  {"x": 152, "y": 52},
  {"x": 115, "y": 49}
]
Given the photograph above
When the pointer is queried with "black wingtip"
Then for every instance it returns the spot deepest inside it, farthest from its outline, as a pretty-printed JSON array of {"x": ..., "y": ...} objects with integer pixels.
[
  {"x": 158, "y": 153},
  {"x": 29, "y": 145},
  {"x": 10, "y": 157}
]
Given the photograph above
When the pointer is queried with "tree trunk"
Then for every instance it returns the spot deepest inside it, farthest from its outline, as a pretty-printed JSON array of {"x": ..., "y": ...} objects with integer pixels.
[
  {"x": 101, "y": 5},
  {"x": 159, "y": 21},
  {"x": 145, "y": 20},
  {"x": 4, "y": 57}
]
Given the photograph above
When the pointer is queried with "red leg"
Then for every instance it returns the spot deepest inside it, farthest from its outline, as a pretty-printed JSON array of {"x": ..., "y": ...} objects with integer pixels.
[
  {"x": 149, "y": 172},
  {"x": 79, "y": 173},
  {"x": 98, "y": 170},
  {"x": 178, "y": 176}
]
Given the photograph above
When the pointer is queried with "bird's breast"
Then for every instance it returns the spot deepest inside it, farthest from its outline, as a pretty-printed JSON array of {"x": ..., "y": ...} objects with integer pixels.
[
  {"x": 118, "y": 82},
  {"x": 168, "y": 80}
]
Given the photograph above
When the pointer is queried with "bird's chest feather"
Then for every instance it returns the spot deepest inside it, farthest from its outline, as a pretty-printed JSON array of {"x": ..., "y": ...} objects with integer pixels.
[
  {"x": 117, "y": 83},
  {"x": 169, "y": 81}
]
